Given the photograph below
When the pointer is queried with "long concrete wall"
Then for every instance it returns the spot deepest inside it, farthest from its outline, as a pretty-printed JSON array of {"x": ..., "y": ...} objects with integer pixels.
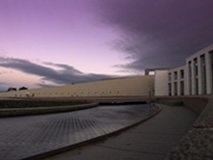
[{"x": 130, "y": 86}]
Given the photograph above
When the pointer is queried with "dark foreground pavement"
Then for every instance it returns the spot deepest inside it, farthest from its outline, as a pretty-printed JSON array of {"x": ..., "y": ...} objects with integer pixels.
[
  {"x": 151, "y": 140},
  {"x": 31, "y": 136}
]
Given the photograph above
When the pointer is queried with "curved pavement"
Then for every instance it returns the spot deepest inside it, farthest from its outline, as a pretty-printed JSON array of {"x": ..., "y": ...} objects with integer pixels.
[
  {"x": 22, "y": 137},
  {"x": 151, "y": 140}
]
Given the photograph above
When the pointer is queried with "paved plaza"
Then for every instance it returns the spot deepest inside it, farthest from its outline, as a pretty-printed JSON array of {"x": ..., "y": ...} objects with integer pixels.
[
  {"x": 22, "y": 137},
  {"x": 151, "y": 140}
]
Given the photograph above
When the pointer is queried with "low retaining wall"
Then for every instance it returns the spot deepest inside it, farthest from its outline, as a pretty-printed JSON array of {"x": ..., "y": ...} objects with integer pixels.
[
  {"x": 196, "y": 104},
  {"x": 198, "y": 142},
  {"x": 28, "y": 103},
  {"x": 5, "y": 112}
]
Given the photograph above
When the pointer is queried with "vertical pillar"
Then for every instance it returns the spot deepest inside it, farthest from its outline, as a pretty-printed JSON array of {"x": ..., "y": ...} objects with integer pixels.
[
  {"x": 186, "y": 79},
  {"x": 193, "y": 77},
  {"x": 172, "y": 83},
  {"x": 208, "y": 73},
  {"x": 178, "y": 82},
  {"x": 200, "y": 79}
]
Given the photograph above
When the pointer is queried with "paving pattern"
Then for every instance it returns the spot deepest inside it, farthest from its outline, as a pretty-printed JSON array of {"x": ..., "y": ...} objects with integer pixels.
[
  {"x": 22, "y": 137},
  {"x": 150, "y": 140}
]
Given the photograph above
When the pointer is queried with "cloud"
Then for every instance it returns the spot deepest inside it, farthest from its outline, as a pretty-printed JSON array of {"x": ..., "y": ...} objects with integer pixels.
[
  {"x": 44, "y": 85},
  {"x": 159, "y": 33},
  {"x": 64, "y": 67},
  {"x": 3, "y": 86},
  {"x": 65, "y": 75}
]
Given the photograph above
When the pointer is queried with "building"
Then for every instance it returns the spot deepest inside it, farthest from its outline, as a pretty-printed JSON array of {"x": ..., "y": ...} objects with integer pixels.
[
  {"x": 138, "y": 86},
  {"x": 176, "y": 81},
  {"x": 160, "y": 80},
  {"x": 193, "y": 78}
]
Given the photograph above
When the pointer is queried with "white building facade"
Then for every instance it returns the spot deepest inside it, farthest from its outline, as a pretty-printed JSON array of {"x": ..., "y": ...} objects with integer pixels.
[
  {"x": 194, "y": 78},
  {"x": 160, "y": 87},
  {"x": 176, "y": 81},
  {"x": 199, "y": 68}
]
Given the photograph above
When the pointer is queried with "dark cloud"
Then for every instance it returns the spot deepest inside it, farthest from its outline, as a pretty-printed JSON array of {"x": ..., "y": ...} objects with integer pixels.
[
  {"x": 65, "y": 75},
  {"x": 43, "y": 85},
  {"x": 159, "y": 33}
]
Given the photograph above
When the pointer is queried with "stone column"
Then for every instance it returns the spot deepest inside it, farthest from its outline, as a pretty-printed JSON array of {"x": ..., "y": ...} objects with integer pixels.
[
  {"x": 178, "y": 82},
  {"x": 200, "y": 79},
  {"x": 193, "y": 77},
  {"x": 208, "y": 73},
  {"x": 172, "y": 83},
  {"x": 186, "y": 79}
]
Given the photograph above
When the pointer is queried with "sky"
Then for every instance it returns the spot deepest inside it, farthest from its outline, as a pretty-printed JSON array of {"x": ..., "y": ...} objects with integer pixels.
[{"x": 56, "y": 42}]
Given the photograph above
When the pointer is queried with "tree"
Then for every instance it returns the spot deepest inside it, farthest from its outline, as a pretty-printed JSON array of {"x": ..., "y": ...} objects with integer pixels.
[
  {"x": 11, "y": 89},
  {"x": 23, "y": 88}
]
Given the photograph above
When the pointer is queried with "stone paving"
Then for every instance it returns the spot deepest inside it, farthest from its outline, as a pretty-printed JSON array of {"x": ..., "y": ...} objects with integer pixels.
[
  {"x": 22, "y": 137},
  {"x": 198, "y": 142},
  {"x": 150, "y": 140},
  {"x": 196, "y": 145},
  {"x": 205, "y": 119}
]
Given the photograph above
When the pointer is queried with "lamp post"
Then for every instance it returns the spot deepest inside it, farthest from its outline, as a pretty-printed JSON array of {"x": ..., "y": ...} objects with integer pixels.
[{"x": 150, "y": 98}]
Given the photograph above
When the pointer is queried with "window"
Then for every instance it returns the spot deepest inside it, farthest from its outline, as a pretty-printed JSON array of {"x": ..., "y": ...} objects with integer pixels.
[
  {"x": 195, "y": 66},
  {"x": 175, "y": 88},
  {"x": 170, "y": 76},
  {"x": 151, "y": 73},
  {"x": 196, "y": 86},
  {"x": 211, "y": 51},
  {"x": 190, "y": 77},
  {"x": 203, "y": 73},
  {"x": 202, "y": 57},
  {"x": 211, "y": 62},
  {"x": 175, "y": 75},
  {"x": 170, "y": 89},
  {"x": 181, "y": 73},
  {"x": 182, "y": 88}
]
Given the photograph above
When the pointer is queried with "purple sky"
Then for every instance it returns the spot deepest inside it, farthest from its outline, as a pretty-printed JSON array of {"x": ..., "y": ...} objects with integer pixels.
[{"x": 54, "y": 42}]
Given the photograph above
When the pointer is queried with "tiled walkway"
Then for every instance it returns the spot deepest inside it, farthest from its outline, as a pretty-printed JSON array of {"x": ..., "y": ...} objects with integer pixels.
[
  {"x": 22, "y": 137},
  {"x": 151, "y": 140}
]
